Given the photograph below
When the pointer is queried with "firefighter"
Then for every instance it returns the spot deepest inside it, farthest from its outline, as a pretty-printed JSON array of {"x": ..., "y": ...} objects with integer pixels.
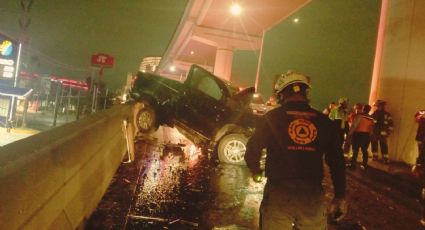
[
  {"x": 295, "y": 138},
  {"x": 419, "y": 169},
  {"x": 383, "y": 128}
]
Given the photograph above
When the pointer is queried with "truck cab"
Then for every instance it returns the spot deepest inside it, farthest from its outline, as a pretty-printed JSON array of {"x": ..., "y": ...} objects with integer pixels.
[{"x": 205, "y": 108}]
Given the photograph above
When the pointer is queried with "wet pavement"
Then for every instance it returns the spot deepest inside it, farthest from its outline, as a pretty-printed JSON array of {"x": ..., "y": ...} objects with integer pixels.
[
  {"x": 179, "y": 186},
  {"x": 172, "y": 191}
]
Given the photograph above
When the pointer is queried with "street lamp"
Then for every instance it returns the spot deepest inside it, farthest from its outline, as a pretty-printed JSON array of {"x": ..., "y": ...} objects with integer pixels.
[
  {"x": 235, "y": 9},
  {"x": 172, "y": 68}
]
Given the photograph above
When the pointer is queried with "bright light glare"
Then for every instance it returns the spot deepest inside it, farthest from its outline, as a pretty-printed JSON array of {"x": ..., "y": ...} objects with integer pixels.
[
  {"x": 256, "y": 95},
  {"x": 192, "y": 52},
  {"x": 296, "y": 20},
  {"x": 235, "y": 9},
  {"x": 172, "y": 68}
]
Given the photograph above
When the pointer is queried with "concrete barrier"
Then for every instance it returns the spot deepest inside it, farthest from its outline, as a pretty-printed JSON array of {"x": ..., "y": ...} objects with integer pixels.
[{"x": 55, "y": 179}]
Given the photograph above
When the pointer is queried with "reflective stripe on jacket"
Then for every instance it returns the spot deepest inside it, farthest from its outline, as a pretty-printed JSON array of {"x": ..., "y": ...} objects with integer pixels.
[{"x": 384, "y": 123}]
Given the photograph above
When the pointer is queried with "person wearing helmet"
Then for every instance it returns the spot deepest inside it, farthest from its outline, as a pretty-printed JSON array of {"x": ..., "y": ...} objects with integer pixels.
[
  {"x": 418, "y": 169},
  {"x": 383, "y": 128},
  {"x": 339, "y": 115},
  {"x": 295, "y": 137}
]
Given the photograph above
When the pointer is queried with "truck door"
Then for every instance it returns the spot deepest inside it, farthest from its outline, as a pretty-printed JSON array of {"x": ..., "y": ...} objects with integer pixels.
[{"x": 204, "y": 107}]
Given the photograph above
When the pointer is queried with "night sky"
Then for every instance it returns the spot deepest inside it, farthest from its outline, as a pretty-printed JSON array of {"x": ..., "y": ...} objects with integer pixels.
[
  {"x": 64, "y": 34},
  {"x": 333, "y": 42}
]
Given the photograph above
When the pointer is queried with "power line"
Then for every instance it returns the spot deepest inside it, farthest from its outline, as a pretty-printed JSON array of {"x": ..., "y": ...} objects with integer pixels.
[{"x": 54, "y": 62}]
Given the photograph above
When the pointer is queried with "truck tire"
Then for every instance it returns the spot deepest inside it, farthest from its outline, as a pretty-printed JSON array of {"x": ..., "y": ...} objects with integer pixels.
[
  {"x": 231, "y": 149},
  {"x": 146, "y": 120}
]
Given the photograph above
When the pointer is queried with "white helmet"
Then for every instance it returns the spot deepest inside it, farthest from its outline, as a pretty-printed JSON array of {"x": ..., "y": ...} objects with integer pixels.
[{"x": 291, "y": 77}]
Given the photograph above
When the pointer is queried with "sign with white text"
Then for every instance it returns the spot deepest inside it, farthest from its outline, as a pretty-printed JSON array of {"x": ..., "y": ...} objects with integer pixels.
[
  {"x": 102, "y": 60},
  {"x": 8, "y": 56}
]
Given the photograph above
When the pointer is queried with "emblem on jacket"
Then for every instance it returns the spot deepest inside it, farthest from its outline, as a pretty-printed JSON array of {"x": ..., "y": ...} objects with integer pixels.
[{"x": 302, "y": 131}]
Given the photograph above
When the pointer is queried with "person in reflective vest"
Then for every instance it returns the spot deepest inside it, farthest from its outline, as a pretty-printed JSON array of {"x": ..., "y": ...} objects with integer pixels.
[
  {"x": 339, "y": 115},
  {"x": 360, "y": 131}
]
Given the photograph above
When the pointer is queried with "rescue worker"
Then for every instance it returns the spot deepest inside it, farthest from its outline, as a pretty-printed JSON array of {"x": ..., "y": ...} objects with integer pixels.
[
  {"x": 295, "y": 138},
  {"x": 383, "y": 128},
  {"x": 419, "y": 170},
  {"x": 339, "y": 115},
  {"x": 360, "y": 133},
  {"x": 357, "y": 109}
]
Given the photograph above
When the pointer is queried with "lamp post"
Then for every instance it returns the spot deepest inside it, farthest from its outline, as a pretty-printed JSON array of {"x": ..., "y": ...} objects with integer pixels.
[{"x": 257, "y": 76}]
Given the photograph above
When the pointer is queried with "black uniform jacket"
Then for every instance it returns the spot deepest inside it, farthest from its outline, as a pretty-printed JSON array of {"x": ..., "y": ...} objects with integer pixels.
[
  {"x": 296, "y": 138},
  {"x": 420, "y": 136}
]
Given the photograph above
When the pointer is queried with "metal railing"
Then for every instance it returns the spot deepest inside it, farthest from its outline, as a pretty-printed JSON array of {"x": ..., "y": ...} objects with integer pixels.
[{"x": 64, "y": 104}]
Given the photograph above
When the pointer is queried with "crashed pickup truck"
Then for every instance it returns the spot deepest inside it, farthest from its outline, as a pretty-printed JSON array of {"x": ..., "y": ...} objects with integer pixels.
[{"x": 208, "y": 110}]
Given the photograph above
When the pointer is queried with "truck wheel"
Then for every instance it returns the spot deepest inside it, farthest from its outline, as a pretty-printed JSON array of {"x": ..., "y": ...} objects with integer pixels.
[
  {"x": 146, "y": 120},
  {"x": 231, "y": 149}
]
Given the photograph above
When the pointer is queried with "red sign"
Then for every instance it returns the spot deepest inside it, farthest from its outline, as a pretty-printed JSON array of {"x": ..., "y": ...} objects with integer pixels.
[{"x": 102, "y": 60}]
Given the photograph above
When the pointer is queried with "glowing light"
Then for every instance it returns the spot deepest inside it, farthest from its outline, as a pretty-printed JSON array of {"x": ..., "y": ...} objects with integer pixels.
[
  {"x": 296, "y": 20},
  {"x": 6, "y": 48},
  {"x": 256, "y": 95},
  {"x": 192, "y": 52},
  {"x": 235, "y": 9},
  {"x": 194, "y": 154},
  {"x": 172, "y": 68}
]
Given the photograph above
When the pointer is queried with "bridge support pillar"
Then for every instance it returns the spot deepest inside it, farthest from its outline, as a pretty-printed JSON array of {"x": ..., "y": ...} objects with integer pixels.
[
  {"x": 223, "y": 63},
  {"x": 399, "y": 71}
]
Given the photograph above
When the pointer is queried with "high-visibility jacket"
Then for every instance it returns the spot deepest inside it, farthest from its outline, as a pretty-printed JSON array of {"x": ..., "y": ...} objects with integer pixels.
[{"x": 363, "y": 123}]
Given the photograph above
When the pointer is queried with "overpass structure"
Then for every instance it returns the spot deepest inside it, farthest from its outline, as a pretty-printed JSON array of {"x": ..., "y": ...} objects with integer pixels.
[{"x": 211, "y": 30}]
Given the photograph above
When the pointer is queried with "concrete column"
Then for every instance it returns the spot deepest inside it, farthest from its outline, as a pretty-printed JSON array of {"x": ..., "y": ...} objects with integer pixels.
[
  {"x": 401, "y": 72},
  {"x": 223, "y": 63}
]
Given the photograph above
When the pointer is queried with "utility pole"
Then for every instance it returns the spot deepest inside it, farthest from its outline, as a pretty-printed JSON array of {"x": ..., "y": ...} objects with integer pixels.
[
  {"x": 58, "y": 92},
  {"x": 24, "y": 22},
  {"x": 25, "y": 19}
]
